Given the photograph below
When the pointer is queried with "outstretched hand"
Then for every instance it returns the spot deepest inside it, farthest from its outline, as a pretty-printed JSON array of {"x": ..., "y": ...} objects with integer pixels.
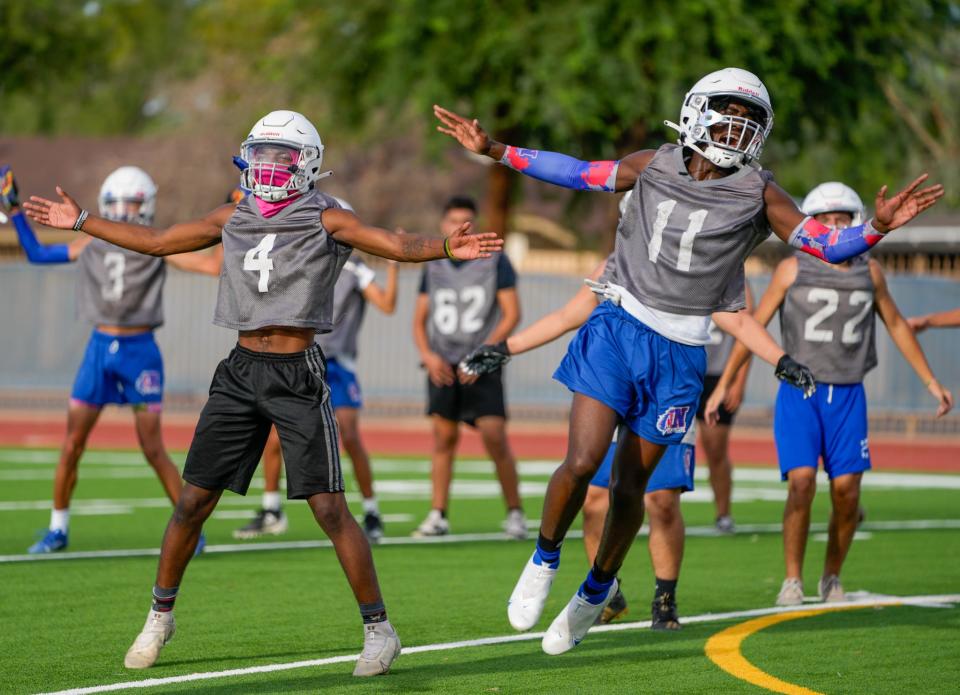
[
  {"x": 943, "y": 396},
  {"x": 468, "y": 133},
  {"x": 905, "y": 205},
  {"x": 465, "y": 246},
  {"x": 62, "y": 215}
]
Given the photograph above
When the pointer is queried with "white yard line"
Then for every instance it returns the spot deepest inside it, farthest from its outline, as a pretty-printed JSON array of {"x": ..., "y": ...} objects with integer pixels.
[
  {"x": 699, "y": 531},
  {"x": 939, "y": 600}
]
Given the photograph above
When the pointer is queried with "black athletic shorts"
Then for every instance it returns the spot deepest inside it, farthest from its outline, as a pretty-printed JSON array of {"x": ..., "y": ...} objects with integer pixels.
[
  {"x": 467, "y": 402},
  {"x": 709, "y": 384},
  {"x": 250, "y": 391}
]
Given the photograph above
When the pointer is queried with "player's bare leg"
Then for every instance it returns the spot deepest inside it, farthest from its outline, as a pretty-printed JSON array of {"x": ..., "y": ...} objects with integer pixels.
[
  {"x": 493, "y": 431},
  {"x": 147, "y": 424},
  {"x": 801, "y": 488},
  {"x": 634, "y": 462},
  {"x": 446, "y": 434},
  {"x": 845, "y": 495},
  {"x": 666, "y": 554},
  {"x": 381, "y": 644},
  {"x": 348, "y": 420},
  {"x": 595, "y": 507},
  {"x": 716, "y": 446},
  {"x": 180, "y": 540},
  {"x": 270, "y": 519},
  {"x": 591, "y": 428}
]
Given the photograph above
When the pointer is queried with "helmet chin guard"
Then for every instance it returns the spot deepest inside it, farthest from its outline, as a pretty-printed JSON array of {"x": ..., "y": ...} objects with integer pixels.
[
  {"x": 272, "y": 180},
  {"x": 742, "y": 140}
]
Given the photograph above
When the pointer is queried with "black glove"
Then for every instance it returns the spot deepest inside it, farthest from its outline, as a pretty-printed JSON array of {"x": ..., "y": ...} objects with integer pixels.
[
  {"x": 792, "y": 372},
  {"x": 486, "y": 359}
]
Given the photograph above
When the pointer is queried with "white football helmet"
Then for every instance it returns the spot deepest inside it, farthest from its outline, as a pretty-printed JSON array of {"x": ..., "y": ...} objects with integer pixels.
[
  {"x": 743, "y": 140},
  {"x": 834, "y": 196},
  {"x": 128, "y": 195},
  {"x": 283, "y": 153}
]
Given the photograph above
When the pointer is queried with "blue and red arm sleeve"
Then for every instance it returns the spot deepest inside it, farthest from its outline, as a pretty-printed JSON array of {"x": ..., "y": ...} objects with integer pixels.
[
  {"x": 37, "y": 252},
  {"x": 831, "y": 244},
  {"x": 561, "y": 170}
]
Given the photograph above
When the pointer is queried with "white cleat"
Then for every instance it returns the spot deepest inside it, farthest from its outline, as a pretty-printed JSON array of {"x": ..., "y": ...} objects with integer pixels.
[
  {"x": 381, "y": 646},
  {"x": 515, "y": 525},
  {"x": 830, "y": 589},
  {"x": 530, "y": 595},
  {"x": 157, "y": 631},
  {"x": 575, "y": 620},
  {"x": 433, "y": 525},
  {"x": 791, "y": 592}
]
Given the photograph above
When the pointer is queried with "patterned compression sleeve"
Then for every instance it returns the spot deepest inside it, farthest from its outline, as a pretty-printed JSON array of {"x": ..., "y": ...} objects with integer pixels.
[
  {"x": 37, "y": 252},
  {"x": 561, "y": 170},
  {"x": 831, "y": 244}
]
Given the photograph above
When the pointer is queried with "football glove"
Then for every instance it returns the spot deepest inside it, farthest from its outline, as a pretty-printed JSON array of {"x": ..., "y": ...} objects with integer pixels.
[
  {"x": 486, "y": 359},
  {"x": 9, "y": 198},
  {"x": 794, "y": 373}
]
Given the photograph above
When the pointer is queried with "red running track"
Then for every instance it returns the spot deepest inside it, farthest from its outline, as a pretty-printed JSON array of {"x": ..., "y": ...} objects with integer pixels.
[{"x": 934, "y": 455}]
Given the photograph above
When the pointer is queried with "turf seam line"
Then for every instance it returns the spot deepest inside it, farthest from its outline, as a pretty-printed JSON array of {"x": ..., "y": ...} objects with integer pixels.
[{"x": 505, "y": 639}]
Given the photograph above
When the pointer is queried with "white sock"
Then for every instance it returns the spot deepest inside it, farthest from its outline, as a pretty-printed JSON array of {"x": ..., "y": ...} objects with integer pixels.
[
  {"x": 271, "y": 501},
  {"x": 370, "y": 506},
  {"x": 59, "y": 519}
]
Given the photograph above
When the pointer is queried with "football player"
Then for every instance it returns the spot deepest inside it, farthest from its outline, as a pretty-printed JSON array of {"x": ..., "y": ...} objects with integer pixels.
[
  {"x": 460, "y": 306},
  {"x": 699, "y": 207},
  {"x": 827, "y": 320},
  {"x": 283, "y": 248},
  {"x": 120, "y": 292}
]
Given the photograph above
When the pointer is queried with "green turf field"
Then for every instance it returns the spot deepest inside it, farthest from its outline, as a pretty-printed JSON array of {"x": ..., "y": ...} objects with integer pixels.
[{"x": 67, "y": 622}]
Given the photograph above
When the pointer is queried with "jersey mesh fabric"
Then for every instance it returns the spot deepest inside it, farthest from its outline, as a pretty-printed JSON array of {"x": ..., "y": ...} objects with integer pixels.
[
  {"x": 828, "y": 321},
  {"x": 349, "y": 307},
  {"x": 681, "y": 243},
  {"x": 279, "y": 271},
  {"x": 119, "y": 287}
]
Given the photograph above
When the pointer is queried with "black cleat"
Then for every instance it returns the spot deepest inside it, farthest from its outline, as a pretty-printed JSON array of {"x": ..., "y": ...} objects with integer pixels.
[
  {"x": 373, "y": 527},
  {"x": 665, "y": 613},
  {"x": 613, "y": 610}
]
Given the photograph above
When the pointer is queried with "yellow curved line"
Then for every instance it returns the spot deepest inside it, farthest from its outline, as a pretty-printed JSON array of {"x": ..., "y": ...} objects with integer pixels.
[{"x": 723, "y": 649}]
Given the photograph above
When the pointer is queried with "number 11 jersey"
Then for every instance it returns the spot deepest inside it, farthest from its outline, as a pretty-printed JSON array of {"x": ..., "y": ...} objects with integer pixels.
[{"x": 281, "y": 270}]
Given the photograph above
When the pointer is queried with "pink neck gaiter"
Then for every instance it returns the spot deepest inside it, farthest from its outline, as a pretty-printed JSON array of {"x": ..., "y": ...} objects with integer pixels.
[{"x": 277, "y": 177}]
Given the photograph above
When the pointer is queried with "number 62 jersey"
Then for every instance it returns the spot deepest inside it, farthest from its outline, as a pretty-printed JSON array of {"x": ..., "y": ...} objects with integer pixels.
[
  {"x": 281, "y": 270},
  {"x": 828, "y": 321}
]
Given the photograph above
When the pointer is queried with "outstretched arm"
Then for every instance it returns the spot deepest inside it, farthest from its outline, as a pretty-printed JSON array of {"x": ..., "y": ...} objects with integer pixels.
[
  {"x": 552, "y": 167},
  {"x": 942, "y": 319},
  {"x": 906, "y": 341},
  {"x": 188, "y": 236},
  {"x": 42, "y": 254},
  {"x": 197, "y": 262},
  {"x": 347, "y": 228},
  {"x": 839, "y": 245}
]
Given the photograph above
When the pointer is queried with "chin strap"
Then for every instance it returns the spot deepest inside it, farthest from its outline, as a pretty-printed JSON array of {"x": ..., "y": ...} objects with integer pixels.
[{"x": 685, "y": 141}]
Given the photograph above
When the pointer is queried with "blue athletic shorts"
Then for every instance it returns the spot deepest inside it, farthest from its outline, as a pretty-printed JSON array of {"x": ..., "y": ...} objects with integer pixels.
[
  {"x": 675, "y": 469},
  {"x": 832, "y": 424},
  {"x": 344, "y": 387},
  {"x": 126, "y": 369},
  {"x": 652, "y": 382}
]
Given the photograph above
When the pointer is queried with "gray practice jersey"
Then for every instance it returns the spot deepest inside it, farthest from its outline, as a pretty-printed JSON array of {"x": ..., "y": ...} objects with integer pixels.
[
  {"x": 349, "y": 306},
  {"x": 463, "y": 303},
  {"x": 119, "y": 287},
  {"x": 681, "y": 243},
  {"x": 828, "y": 322},
  {"x": 718, "y": 350},
  {"x": 279, "y": 271}
]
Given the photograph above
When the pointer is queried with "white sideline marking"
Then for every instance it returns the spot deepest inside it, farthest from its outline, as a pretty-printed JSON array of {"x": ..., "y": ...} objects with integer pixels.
[
  {"x": 698, "y": 531},
  {"x": 937, "y": 600}
]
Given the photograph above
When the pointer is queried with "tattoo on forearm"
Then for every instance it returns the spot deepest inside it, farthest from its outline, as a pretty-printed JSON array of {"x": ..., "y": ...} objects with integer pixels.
[{"x": 418, "y": 248}]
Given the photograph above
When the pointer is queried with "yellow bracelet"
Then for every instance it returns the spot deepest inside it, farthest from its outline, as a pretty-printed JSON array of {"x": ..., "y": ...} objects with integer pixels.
[{"x": 447, "y": 251}]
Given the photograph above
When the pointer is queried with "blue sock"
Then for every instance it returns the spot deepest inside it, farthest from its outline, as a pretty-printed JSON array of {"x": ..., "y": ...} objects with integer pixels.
[
  {"x": 550, "y": 558},
  {"x": 595, "y": 590}
]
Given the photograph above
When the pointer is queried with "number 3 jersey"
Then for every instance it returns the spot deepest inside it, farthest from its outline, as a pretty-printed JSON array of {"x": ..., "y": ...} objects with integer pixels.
[
  {"x": 463, "y": 302},
  {"x": 279, "y": 271},
  {"x": 827, "y": 319},
  {"x": 681, "y": 243},
  {"x": 119, "y": 287}
]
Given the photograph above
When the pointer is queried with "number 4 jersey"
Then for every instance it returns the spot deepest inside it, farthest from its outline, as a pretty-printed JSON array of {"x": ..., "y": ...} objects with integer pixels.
[
  {"x": 827, "y": 319},
  {"x": 119, "y": 287},
  {"x": 681, "y": 243},
  {"x": 279, "y": 271}
]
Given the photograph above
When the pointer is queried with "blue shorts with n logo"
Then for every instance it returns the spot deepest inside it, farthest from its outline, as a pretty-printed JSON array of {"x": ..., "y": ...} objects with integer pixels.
[{"x": 652, "y": 382}]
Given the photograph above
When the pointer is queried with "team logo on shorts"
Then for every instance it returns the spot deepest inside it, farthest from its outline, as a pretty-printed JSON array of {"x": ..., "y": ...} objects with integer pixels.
[
  {"x": 673, "y": 420},
  {"x": 149, "y": 383}
]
